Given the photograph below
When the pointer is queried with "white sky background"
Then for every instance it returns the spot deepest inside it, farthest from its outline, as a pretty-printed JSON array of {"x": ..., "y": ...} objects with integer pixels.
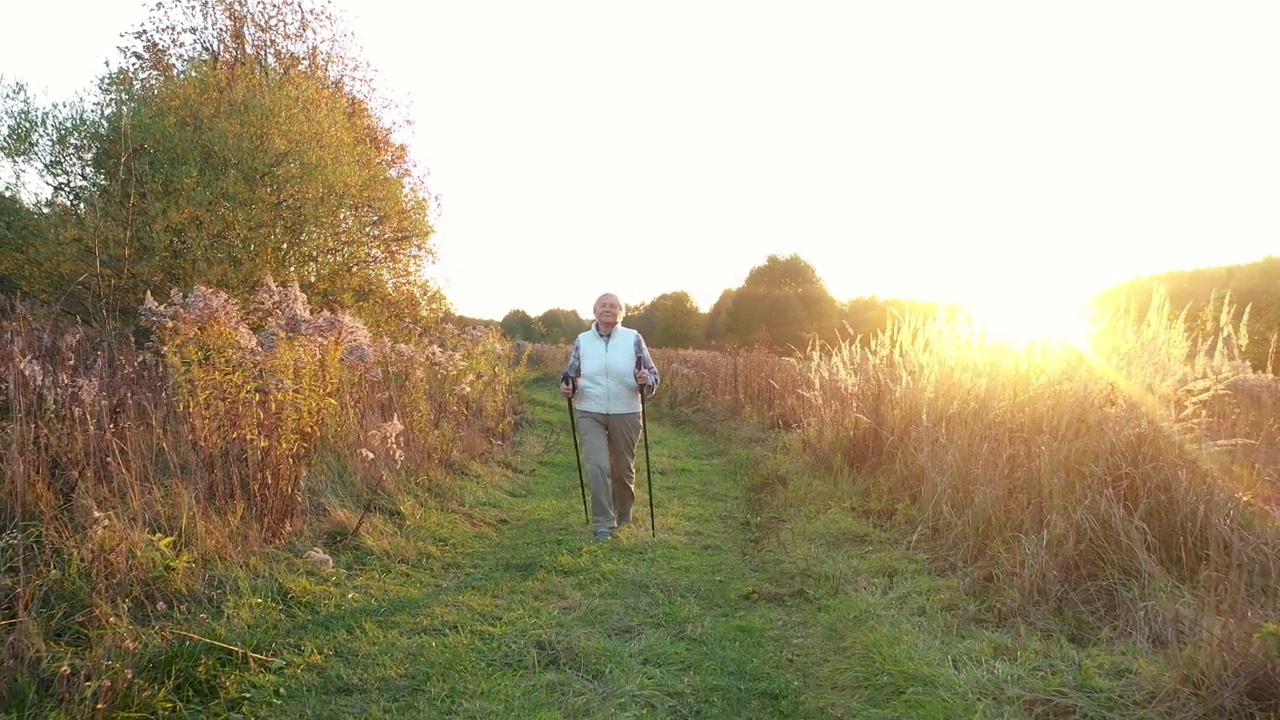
[{"x": 931, "y": 150}]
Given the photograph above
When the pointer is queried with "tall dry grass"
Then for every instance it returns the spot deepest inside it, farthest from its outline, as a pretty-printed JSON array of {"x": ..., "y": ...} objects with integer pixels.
[
  {"x": 738, "y": 383},
  {"x": 543, "y": 357},
  {"x": 134, "y": 462},
  {"x": 1130, "y": 488}
]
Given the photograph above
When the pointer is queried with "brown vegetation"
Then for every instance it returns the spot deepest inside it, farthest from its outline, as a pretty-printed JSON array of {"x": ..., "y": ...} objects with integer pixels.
[
  {"x": 1129, "y": 488},
  {"x": 135, "y": 465}
]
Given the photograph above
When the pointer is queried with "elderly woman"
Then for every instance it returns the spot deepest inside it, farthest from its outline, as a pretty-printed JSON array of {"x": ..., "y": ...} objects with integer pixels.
[{"x": 609, "y": 368}]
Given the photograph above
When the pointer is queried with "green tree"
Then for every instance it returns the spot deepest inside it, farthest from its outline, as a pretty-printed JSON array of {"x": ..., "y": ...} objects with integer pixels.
[
  {"x": 715, "y": 323},
  {"x": 864, "y": 316},
  {"x": 677, "y": 321},
  {"x": 43, "y": 155},
  {"x": 238, "y": 140},
  {"x": 783, "y": 303},
  {"x": 519, "y": 325},
  {"x": 561, "y": 326},
  {"x": 24, "y": 238},
  {"x": 462, "y": 321},
  {"x": 639, "y": 317}
]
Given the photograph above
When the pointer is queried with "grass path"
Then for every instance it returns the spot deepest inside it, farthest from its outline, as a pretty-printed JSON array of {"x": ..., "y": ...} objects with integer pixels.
[{"x": 511, "y": 612}]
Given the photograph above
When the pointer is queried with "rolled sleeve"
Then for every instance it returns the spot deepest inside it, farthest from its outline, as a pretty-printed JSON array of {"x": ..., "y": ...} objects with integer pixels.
[
  {"x": 646, "y": 361},
  {"x": 574, "y": 370}
]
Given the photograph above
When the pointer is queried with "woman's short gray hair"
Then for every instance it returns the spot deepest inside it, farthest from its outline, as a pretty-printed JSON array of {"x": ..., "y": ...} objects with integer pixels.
[{"x": 622, "y": 308}]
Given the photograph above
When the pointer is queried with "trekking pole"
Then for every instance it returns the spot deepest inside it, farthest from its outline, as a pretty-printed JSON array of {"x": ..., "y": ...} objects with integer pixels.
[
  {"x": 573, "y": 425},
  {"x": 648, "y": 466}
]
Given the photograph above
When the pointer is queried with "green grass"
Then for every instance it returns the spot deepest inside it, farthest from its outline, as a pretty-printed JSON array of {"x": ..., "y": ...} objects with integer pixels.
[{"x": 746, "y": 605}]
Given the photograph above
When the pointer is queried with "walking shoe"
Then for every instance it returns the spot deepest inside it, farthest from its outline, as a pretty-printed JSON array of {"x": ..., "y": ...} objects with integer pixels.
[{"x": 602, "y": 535}]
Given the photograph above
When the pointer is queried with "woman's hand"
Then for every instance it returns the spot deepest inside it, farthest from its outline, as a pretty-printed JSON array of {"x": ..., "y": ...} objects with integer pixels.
[{"x": 642, "y": 377}]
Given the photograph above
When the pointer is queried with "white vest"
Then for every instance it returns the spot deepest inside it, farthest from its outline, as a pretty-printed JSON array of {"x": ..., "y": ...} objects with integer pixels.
[{"x": 608, "y": 367}]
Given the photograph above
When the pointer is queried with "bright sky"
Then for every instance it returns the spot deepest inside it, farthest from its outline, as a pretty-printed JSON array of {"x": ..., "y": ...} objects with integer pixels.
[{"x": 931, "y": 150}]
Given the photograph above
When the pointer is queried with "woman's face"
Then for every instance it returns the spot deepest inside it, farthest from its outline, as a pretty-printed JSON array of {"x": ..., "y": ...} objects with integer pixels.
[{"x": 608, "y": 310}]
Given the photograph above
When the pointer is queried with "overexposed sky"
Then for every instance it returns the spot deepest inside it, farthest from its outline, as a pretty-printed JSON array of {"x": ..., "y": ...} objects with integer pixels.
[{"x": 934, "y": 150}]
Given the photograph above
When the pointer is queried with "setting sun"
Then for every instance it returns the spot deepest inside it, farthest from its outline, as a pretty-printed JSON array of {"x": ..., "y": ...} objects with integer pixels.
[{"x": 1053, "y": 320}]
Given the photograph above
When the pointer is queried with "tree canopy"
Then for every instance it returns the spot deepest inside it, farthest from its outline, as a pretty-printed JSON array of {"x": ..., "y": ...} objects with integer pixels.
[
  {"x": 783, "y": 303},
  {"x": 239, "y": 139},
  {"x": 561, "y": 326},
  {"x": 519, "y": 325},
  {"x": 677, "y": 321}
]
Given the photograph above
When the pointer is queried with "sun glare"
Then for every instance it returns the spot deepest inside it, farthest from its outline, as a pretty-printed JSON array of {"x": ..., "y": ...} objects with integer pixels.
[{"x": 1044, "y": 321}]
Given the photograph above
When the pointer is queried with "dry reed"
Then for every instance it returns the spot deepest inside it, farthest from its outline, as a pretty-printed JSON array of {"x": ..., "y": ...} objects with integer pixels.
[
  {"x": 134, "y": 462},
  {"x": 1128, "y": 487}
]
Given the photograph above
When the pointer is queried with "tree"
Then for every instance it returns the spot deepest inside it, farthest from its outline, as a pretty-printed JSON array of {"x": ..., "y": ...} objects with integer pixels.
[
  {"x": 462, "y": 321},
  {"x": 561, "y": 326},
  {"x": 240, "y": 140},
  {"x": 43, "y": 154},
  {"x": 1201, "y": 294},
  {"x": 640, "y": 318},
  {"x": 789, "y": 274},
  {"x": 715, "y": 323},
  {"x": 519, "y": 325},
  {"x": 677, "y": 321},
  {"x": 785, "y": 301},
  {"x": 24, "y": 237},
  {"x": 864, "y": 317}
]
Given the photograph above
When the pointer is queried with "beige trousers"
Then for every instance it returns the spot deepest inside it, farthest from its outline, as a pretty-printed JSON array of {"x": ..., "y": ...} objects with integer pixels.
[{"x": 609, "y": 450}]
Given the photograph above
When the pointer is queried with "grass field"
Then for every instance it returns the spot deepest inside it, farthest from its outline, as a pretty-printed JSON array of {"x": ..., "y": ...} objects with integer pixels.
[
  {"x": 923, "y": 525},
  {"x": 742, "y": 607}
]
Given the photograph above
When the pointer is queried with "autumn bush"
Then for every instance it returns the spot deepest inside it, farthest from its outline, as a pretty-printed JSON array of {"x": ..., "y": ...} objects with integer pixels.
[
  {"x": 136, "y": 463},
  {"x": 1131, "y": 487}
]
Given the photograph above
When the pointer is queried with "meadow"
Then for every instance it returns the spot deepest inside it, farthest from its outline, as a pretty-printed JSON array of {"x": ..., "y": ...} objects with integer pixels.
[
  {"x": 1128, "y": 489},
  {"x": 225, "y": 511}
]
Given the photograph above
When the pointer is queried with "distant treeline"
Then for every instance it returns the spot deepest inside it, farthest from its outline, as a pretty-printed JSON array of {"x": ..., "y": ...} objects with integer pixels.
[
  {"x": 784, "y": 304},
  {"x": 1203, "y": 294}
]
